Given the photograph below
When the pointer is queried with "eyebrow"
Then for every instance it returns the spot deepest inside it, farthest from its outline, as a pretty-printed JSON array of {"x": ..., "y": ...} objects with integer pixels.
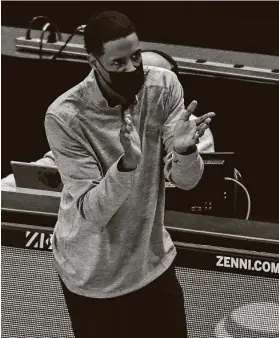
[{"x": 119, "y": 58}]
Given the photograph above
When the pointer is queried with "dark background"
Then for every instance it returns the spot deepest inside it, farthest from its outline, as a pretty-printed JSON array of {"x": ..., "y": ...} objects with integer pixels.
[
  {"x": 248, "y": 26},
  {"x": 246, "y": 119}
]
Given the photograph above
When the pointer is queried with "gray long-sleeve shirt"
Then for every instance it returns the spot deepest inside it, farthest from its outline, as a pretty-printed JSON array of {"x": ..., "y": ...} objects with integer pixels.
[{"x": 110, "y": 238}]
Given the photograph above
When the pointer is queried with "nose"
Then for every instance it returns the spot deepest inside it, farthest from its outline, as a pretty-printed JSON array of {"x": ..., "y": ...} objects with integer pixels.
[{"x": 130, "y": 66}]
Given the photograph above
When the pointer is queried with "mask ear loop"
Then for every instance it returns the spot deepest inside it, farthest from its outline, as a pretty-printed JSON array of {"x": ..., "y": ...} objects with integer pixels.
[
  {"x": 100, "y": 63},
  {"x": 101, "y": 73}
]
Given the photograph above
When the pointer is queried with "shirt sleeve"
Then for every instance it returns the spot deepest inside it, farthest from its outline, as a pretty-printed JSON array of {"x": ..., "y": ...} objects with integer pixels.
[
  {"x": 95, "y": 196},
  {"x": 47, "y": 160},
  {"x": 185, "y": 171},
  {"x": 8, "y": 182}
]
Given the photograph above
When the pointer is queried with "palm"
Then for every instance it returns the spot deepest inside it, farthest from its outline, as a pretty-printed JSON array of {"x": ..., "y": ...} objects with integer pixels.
[
  {"x": 184, "y": 135},
  {"x": 135, "y": 146},
  {"x": 130, "y": 140}
]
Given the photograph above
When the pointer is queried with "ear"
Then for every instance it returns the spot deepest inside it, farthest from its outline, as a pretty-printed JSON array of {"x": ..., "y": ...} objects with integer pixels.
[{"x": 92, "y": 60}]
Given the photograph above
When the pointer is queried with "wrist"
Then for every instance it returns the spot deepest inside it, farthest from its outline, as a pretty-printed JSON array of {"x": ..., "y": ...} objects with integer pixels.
[
  {"x": 126, "y": 164},
  {"x": 186, "y": 151}
]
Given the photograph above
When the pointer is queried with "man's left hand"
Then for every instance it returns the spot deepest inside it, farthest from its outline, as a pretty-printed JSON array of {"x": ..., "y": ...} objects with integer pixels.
[{"x": 187, "y": 132}]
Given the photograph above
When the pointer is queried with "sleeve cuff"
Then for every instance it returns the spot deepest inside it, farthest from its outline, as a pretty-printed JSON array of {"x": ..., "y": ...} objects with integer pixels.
[
  {"x": 121, "y": 168},
  {"x": 123, "y": 177},
  {"x": 185, "y": 159}
]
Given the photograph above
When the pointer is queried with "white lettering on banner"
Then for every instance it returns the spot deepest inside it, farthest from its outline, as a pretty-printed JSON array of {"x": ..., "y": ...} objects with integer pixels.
[
  {"x": 38, "y": 240},
  {"x": 234, "y": 262},
  {"x": 227, "y": 262},
  {"x": 243, "y": 263},
  {"x": 247, "y": 264},
  {"x": 275, "y": 267},
  {"x": 257, "y": 265},
  {"x": 32, "y": 238},
  {"x": 219, "y": 262}
]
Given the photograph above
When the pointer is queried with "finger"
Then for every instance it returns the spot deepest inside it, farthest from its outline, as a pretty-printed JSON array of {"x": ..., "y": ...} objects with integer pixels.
[
  {"x": 189, "y": 111},
  {"x": 124, "y": 132},
  {"x": 202, "y": 129},
  {"x": 128, "y": 118},
  {"x": 127, "y": 136},
  {"x": 128, "y": 128},
  {"x": 204, "y": 117},
  {"x": 123, "y": 128},
  {"x": 192, "y": 132},
  {"x": 207, "y": 121},
  {"x": 200, "y": 126}
]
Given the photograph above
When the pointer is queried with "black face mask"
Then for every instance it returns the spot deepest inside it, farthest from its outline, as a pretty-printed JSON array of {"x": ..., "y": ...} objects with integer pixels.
[{"x": 126, "y": 84}]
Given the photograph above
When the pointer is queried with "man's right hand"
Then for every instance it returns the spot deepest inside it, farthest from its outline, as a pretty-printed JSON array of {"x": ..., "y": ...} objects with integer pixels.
[{"x": 131, "y": 144}]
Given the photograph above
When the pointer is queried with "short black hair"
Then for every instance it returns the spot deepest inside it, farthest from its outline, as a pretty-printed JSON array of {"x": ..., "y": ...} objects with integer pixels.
[
  {"x": 106, "y": 26},
  {"x": 171, "y": 61}
]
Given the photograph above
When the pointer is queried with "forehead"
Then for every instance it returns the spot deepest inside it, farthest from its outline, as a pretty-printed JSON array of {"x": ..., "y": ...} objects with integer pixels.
[{"x": 121, "y": 48}]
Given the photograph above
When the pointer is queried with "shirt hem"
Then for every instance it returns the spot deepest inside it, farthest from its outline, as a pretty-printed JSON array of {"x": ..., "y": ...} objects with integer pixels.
[{"x": 92, "y": 294}]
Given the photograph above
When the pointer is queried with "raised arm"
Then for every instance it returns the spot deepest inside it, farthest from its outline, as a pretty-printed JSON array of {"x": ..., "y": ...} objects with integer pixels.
[
  {"x": 183, "y": 164},
  {"x": 91, "y": 193}
]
